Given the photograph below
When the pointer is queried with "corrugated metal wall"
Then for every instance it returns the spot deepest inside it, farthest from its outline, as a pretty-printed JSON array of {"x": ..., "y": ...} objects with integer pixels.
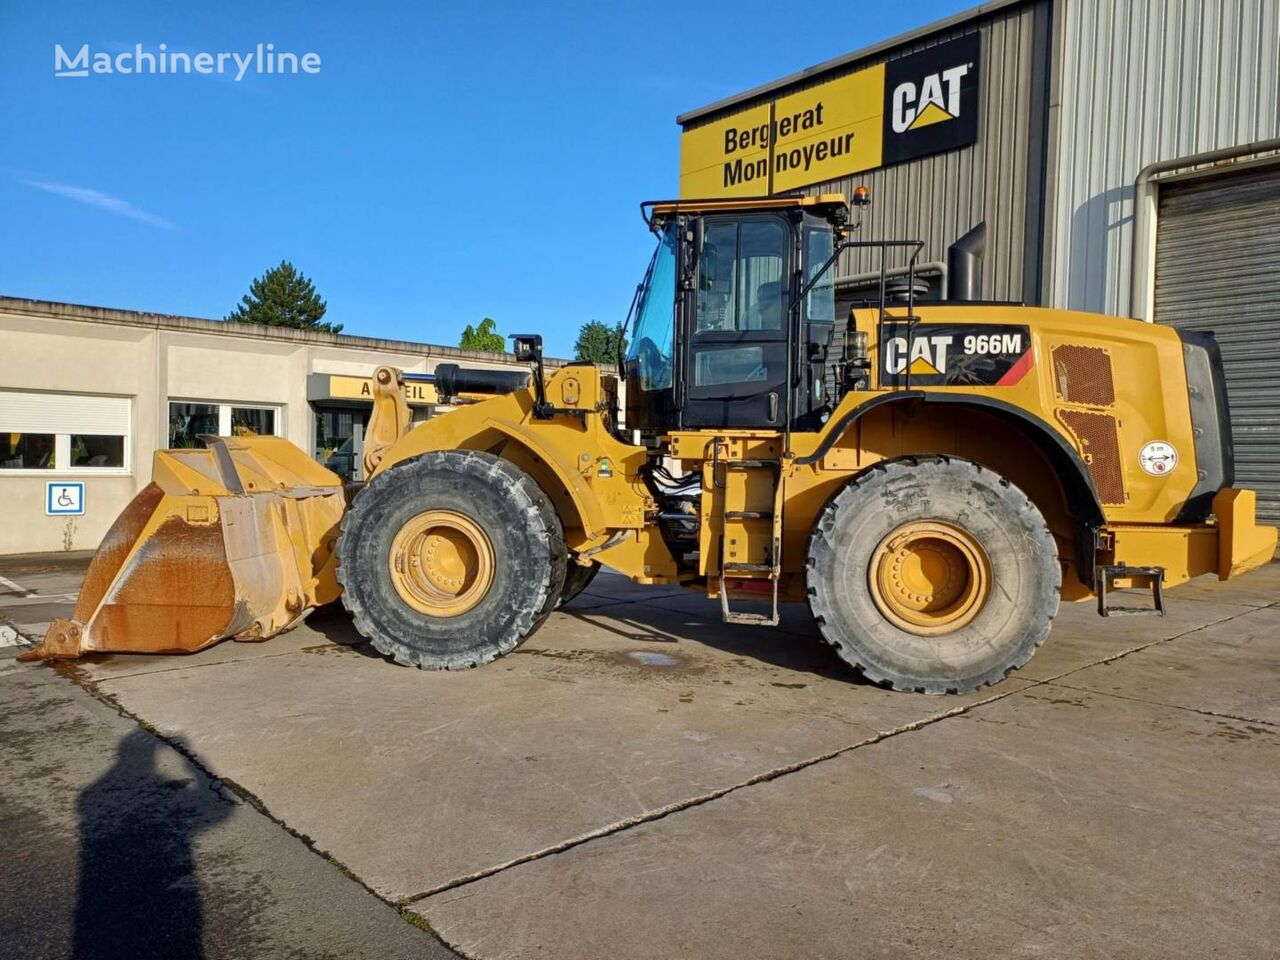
[
  {"x": 1140, "y": 81},
  {"x": 937, "y": 199}
]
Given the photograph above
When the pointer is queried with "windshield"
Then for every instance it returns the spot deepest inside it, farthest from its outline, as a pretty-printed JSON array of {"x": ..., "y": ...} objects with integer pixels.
[{"x": 651, "y": 337}]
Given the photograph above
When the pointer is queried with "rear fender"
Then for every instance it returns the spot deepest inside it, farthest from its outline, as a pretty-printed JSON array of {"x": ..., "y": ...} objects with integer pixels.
[{"x": 1077, "y": 487}]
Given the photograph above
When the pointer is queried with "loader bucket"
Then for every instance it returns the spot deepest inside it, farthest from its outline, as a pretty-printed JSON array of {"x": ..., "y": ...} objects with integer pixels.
[{"x": 236, "y": 540}]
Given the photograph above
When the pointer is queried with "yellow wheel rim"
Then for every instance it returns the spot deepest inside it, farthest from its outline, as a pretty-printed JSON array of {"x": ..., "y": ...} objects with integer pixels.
[
  {"x": 930, "y": 578},
  {"x": 441, "y": 563}
]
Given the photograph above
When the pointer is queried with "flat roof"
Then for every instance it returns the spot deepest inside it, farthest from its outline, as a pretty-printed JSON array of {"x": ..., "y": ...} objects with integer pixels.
[
  {"x": 54, "y": 310},
  {"x": 827, "y": 66}
]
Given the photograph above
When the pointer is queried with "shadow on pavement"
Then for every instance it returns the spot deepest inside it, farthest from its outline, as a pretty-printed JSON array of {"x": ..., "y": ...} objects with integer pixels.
[
  {"x": 651, "y": 623},
  {"x": 138, "y": 892}
]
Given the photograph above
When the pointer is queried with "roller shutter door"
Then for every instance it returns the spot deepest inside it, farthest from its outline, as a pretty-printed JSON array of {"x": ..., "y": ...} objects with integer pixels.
[{"x": 1218, "y": 269}]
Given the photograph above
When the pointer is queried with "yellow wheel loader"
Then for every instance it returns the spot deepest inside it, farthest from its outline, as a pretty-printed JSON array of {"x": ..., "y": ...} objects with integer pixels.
[{"x": 932, "y": 478}]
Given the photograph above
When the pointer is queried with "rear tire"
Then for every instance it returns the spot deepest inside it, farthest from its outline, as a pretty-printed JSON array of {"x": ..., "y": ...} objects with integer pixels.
[
  {"x": 450, "y": 560},
  {"x": 933, "y": 574}
]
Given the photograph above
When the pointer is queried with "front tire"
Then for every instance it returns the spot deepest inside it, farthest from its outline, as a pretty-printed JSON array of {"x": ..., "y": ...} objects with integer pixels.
[
  {"x": 933, "y": 574},
  {"x": 450, "y": 560}
]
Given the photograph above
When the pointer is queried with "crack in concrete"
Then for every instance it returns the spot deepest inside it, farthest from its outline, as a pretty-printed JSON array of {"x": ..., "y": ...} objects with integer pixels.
[{"x": 196, "y": 666}]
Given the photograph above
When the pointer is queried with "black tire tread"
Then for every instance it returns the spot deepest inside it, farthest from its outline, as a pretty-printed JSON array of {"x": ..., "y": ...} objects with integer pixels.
[
  {"x": 525, "y": 496},
  {"x": 822, "y": 613}
]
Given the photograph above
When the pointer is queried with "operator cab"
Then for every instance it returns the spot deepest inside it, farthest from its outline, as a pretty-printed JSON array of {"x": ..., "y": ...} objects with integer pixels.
[{"x": 734, "y": 319}]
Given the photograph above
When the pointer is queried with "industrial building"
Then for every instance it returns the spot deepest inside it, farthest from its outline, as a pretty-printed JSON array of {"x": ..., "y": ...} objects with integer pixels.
[
  {"x": 88, "y": 394},
  {"x": 1121, "y": 156}
]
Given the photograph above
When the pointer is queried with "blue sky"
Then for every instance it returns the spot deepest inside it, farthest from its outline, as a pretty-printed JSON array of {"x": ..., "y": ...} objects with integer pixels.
[{"x": 448, "y": 162}]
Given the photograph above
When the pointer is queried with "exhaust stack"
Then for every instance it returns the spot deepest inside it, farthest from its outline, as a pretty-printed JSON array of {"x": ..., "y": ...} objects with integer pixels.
[{"x": 964, "y": 265}]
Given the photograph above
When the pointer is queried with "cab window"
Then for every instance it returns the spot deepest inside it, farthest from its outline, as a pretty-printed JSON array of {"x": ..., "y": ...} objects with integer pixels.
[
  {"x": 820, "y": 305},
  {"x": 740, "y": 276}
]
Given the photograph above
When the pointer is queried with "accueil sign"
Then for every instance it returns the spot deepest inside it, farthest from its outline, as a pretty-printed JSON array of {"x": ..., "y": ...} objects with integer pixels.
[{"x": 923, "y": 103}]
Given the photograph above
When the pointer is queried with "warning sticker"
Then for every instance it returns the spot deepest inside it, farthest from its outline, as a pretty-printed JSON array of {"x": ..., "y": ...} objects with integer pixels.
[{"x": 960, "y": 354}]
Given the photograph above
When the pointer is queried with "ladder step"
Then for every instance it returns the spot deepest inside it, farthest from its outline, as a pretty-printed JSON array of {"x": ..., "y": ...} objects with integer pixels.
[
  {"x": 754, "y": 619},
  {"x": 748, "y": 515},
  {"x": 747, "y": 568},
  {"x": 1104, "y": 583},
  {"x": 748, "y": 464}
]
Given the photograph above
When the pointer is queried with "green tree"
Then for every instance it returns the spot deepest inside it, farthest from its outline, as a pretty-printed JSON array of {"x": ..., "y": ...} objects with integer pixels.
[
  {"x": 483, "y": 337},
  {"x": 599, "y": 343},
  {"x": 283, "y": 297}
]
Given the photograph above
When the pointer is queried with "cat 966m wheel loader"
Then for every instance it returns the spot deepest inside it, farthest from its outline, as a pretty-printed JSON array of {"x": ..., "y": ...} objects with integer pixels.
[{"x": 931, "y": 478}]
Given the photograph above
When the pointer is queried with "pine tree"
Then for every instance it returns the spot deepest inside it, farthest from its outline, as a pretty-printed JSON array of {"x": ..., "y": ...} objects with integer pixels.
[
  {"x": 483, "y": 337},
  {"x": 283, "y": 297},
  {"x": 599, "y": 343}
]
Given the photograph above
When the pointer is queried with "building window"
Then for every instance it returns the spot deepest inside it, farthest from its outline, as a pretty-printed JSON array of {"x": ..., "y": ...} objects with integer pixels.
[
  {"x": 95, "y": 450},
  {"x": 253, "y": 422},
  {"x": 64, "y": 432},
  {"x": 27, "y": 451},
  {"x": 189, "y": 419}
]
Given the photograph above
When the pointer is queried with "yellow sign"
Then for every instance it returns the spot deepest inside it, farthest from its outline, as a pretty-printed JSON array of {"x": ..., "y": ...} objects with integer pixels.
[
  {"x": 814, "y": 135},
  {"x": 909, "y": 107},
  {"x": 844, "y": 138},
  {"x": 729, "y": 158},
  {"x": 361, "y": 388}
]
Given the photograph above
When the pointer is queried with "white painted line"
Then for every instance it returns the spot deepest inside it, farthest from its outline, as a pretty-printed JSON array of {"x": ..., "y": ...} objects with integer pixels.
[
  {"x": 16, "y": 588},
  {"x": 10, "y": 637}
]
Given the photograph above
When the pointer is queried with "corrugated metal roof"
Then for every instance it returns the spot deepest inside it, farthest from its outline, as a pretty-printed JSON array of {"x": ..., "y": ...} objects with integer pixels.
[{"x": 809, "y": 73}]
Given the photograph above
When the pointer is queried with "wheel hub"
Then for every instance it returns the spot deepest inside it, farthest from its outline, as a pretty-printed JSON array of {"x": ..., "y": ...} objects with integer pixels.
[
  {"x": 442, "y": 563},
  {"x": 929, "y": 577}
]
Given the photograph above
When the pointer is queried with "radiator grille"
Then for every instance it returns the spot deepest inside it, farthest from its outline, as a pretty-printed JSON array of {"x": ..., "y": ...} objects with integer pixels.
[
  {"x": 1083, "y": 375},
  {"x": 1100, "y": 441}
]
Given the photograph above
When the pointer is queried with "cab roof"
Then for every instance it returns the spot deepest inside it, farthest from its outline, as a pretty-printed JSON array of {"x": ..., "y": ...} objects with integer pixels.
[{"x": 652, "y": 209}]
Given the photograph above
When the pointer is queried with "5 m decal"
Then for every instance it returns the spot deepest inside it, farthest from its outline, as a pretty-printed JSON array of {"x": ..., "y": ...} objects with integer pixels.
[{"x": 955, "y": 354}]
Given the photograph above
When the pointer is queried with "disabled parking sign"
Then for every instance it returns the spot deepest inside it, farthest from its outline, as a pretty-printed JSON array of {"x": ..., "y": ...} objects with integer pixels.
[{"x": 64, "y": 499}]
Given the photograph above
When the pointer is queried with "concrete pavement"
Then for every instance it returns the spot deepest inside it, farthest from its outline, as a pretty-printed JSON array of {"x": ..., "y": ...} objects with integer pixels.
[
  {"x": 640, "y": 780},
  {"x": 118, "y": 846}
]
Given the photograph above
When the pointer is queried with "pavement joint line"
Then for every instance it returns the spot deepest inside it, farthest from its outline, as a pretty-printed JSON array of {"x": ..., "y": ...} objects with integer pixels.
[
  {"x": 1171, "y": 706},
  {"x": 74, "y": 674},
  {"x": 659, "y": 813},
  {"x": 403, "y": 903}
]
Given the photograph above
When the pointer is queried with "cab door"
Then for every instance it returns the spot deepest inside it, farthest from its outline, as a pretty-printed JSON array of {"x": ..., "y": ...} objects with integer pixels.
[{"x": 735, "y": 324}]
